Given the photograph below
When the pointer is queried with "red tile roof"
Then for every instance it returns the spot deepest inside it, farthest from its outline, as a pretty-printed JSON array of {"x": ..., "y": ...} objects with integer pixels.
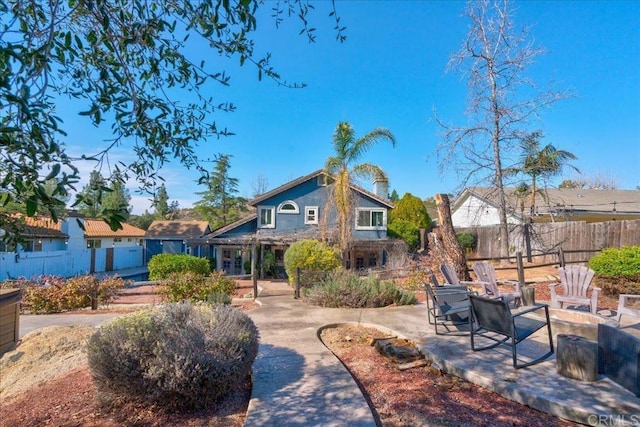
[
  {"x": 99, "y": 228},
  {"x": 42, "y": 227}
]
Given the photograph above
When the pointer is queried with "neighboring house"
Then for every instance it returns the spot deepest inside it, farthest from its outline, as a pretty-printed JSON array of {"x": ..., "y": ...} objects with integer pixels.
[
  {"x": 478, "y": 206},
  {"x": 300, "y": 210},
  {"x": 98, "y": 234},
  {"x": 39, "y": 234},
  {"x": 74, "y": 245},
  {"x": 74, "y": 232},
  {"x": 176, "y": 237}
]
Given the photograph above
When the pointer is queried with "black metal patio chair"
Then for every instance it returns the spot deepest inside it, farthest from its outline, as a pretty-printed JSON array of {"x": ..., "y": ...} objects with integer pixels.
[{"x": 493, "y": 319}]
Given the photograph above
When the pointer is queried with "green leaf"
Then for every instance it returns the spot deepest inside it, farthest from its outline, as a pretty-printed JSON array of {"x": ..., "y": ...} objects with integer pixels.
[
  {"x": 32, "y": 206},
  {"x": 55, "y": 170}
]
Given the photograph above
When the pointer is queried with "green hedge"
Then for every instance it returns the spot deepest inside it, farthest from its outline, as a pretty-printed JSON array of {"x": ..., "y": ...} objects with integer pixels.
[
  {"x": 618, "y": 270},
  {"x": 162, "y": 265}
]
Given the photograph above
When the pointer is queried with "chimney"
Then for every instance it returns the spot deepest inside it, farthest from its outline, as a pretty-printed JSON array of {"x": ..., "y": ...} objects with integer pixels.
[{"x": 381, "y": 188}]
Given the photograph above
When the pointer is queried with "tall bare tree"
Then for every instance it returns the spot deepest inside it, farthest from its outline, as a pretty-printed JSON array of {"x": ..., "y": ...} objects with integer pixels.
[{"x": 502, "y": 101}]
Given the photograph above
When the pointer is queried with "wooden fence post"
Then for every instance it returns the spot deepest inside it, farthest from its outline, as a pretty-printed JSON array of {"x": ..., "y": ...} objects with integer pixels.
[
  {"x": 561, "y": 257},
  {"x": 296, "y": 294},
  {"x": 527, "y": 240},
  {"x": 520, "y": 268},
  {"x": 254, "y": 272}
]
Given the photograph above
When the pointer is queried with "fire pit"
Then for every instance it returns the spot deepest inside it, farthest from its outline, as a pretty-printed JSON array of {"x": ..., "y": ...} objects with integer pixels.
[{"x": 574, "y": 322}]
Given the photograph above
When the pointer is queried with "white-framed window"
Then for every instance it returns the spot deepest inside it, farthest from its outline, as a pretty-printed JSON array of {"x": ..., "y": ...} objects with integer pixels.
[
  {"x": 371, "y": 219},
  {"x": 288, "y": 207},
  {"x": 94, "y": 243},
  {"x": 311, "y": 215},
  {"x": 266, "y": 217}
]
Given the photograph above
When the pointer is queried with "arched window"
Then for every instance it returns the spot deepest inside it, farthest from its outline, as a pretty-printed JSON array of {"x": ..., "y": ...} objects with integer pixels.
[{"x": 288, "y": 207}]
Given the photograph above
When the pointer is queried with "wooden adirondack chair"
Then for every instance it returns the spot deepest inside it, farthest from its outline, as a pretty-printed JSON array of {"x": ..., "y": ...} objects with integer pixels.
[
  {"x": 487, "y": 278},
  {"x": 625, "y": 308},
  {"x": 576, "y": 282}
]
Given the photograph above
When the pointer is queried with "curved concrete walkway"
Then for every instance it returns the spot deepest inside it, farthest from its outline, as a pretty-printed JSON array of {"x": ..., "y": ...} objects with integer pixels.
[{"x": 298, "y": 381}]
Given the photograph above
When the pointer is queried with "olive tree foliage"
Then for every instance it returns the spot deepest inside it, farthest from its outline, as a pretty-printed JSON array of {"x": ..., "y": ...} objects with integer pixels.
[
  {"x": 131, "y": 67},
  {"x": 502, "y": 101}
]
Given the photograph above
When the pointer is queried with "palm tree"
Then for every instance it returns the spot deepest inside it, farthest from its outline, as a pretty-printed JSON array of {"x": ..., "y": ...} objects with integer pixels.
[
  {"x": 342, "y": 166},
  {"x": 545, "y": 162}
]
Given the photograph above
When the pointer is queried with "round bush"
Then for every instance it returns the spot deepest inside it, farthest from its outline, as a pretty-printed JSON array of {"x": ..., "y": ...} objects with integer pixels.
[
  {"x": 162, "y": 265},
  {"x": 180, "y": 355},
  {"x": 405, "y": 230},
  {"x": 310, "y": 255},
  {"x": 467, "y": 241},
  {"x": 196, "y": 287}
]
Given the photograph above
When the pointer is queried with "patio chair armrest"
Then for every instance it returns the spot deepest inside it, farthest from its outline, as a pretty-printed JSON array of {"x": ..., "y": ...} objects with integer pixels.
[
  {"x": 530, "y": 309},
  {"x": 552, "y": 288},
  {"x": 440, "y": 291},
  {"x": 484, "y": 286}
]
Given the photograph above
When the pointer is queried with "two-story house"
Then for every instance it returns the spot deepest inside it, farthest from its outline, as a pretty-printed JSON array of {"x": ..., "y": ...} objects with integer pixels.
[{"x": 301, "y": 209}]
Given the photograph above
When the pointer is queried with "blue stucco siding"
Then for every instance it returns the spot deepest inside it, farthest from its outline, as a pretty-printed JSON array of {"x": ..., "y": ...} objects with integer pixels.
[
  {"x": 306, "y": 194},
  {"x": 241, "y": 230}
]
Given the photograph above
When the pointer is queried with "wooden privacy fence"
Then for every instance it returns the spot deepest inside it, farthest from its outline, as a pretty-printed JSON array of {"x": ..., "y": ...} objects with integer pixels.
[{"x": 547, "y": 239}]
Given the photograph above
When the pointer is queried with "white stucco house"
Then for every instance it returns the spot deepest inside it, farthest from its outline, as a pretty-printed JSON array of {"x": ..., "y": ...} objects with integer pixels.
[{"x": 478, "y": 206}]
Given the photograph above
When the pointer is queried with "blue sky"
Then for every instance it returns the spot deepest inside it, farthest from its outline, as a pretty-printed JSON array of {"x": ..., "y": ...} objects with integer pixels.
[{"x": 391, "y": 72}]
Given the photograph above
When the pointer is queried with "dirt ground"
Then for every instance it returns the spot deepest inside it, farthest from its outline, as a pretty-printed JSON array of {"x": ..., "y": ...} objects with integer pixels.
[{"x": 46, "y": 381}]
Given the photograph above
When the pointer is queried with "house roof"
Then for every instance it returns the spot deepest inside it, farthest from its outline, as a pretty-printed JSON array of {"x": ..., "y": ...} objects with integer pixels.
[
  {"x": 177, "y": 229},
  {"x": 43, "y": 227},
  {"x": 233, "y": 225},
  {"x": 563, "y": 200},
  {"x": 313, "y": 175},
  {"x": 98, "y": 228}
]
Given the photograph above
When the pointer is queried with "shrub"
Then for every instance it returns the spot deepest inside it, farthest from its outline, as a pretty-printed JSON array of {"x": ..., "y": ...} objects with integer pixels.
[
  {"x": 467, "y": 241},
  {"x": 53, "y": 294},
  {"x": 401, "y": 229},
  {"x": 618, "y": 270},
  {"x": 310, "y": 255},
  {"x": 180, "y": 355},
  {"x": 345, "y": 289},
  {"x": 411, "y": 209},
  {"x": 196, "y": 287},
  {"x": 162, "y": 265}
]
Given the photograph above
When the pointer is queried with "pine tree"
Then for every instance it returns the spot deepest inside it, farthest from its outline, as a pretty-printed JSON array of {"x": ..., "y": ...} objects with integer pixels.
[{"x": 219, "y": 204}]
